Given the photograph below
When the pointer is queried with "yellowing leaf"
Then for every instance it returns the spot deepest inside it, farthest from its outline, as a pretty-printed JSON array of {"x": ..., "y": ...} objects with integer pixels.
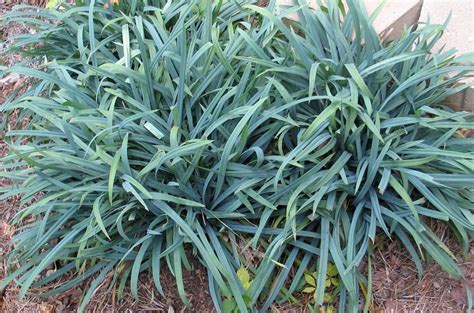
[
  {"x": 309, "y": 289},
  {"x": 332, "y": 270},
  {"x": 328, "y": 282},
  {"x": 327, "y": 297},
  {"x": 310, "y": 280},
  {"x": 244, "y": 277},
  {"x": 330, "y": 309},
  {"x": 51, "y": 4},
  {"x": 335, "y": 282}
]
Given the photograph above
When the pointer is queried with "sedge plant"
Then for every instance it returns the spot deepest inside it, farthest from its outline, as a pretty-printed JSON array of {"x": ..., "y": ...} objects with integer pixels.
[{"x": 164, "y": 129}]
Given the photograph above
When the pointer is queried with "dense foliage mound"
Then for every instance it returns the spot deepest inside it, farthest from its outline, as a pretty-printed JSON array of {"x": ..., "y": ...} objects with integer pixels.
[{"x": 159, "y": 128}]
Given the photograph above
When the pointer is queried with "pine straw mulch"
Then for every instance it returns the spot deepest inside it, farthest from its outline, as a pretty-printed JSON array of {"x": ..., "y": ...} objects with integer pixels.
[{"x": 396, "y": 287}]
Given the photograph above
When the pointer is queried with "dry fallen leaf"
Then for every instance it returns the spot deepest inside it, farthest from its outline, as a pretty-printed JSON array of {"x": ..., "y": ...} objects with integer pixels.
[
  {"x": 10, "y": 78},
  {"x": 106, "y": 5},
  {"x": 6, "y": 230},
  {"x": 45, "y": 308},
  {"x": 2, "y": 299}
]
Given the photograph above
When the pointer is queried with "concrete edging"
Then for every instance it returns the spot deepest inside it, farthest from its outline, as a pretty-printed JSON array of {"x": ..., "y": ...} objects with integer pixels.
[{"x": 397, "y": 15}]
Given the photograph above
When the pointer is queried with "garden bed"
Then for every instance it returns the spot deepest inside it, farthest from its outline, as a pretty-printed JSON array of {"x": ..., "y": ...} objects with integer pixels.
[{"x": 396, "y": 286}]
